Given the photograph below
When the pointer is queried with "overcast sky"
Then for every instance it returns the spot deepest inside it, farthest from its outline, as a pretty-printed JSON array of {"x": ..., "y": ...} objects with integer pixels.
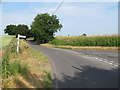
[{"x": 92, "y": 18}]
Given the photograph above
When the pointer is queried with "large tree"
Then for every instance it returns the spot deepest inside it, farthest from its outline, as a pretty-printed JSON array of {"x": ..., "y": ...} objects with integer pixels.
[{"x": 44, "y": 26}]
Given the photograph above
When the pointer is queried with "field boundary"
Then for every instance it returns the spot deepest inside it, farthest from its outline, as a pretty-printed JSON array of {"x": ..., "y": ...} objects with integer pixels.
[{"x": 81, "y": 47}]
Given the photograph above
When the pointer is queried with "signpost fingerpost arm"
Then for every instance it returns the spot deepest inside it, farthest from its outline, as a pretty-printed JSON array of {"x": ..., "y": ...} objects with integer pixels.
[{"x": 19, "y": 36}]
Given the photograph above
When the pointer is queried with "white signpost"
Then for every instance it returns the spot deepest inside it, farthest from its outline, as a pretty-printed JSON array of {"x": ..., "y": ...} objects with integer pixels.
[{"x": 19, "y": 36}]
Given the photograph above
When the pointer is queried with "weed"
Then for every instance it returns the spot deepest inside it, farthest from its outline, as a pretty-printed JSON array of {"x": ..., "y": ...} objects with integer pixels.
[
  {"x": 17, "y": 68},
  {"x": 5, "y": 65},
  {"x": 47, "y": 83}
]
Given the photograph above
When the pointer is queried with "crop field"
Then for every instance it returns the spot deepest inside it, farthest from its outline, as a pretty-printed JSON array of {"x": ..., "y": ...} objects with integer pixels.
[
  {"x": 106, "y": 40},
  {"x": 5, "y": 40}
]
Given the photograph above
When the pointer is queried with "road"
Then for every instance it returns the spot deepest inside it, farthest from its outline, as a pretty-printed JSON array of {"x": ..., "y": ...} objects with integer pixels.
[
  {"x": 108, "y": 56},
  {"x": 81, "y": 68}
]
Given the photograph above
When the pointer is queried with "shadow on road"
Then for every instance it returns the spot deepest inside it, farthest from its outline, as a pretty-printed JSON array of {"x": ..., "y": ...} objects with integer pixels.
[{"x": 90, "y": 77}]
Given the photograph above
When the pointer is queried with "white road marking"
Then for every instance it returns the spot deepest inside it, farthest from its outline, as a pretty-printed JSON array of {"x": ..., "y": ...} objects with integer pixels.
[
  {"x": 116, "y": 65},
  {"x": 106, "y": 61},
  {"x": 110, "y": 63},
  {"x": 100, "y": 60}
]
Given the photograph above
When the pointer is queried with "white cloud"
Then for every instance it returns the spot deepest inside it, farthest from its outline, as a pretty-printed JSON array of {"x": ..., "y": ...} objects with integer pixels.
[
  {"x": 94, "y": 19},
  {"x": 17, "y": 18},
  {"x": 76, "y": 19}
]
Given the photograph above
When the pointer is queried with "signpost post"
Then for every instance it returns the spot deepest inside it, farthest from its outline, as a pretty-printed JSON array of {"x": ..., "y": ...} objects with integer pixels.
[{"x": 19, "y": 36}]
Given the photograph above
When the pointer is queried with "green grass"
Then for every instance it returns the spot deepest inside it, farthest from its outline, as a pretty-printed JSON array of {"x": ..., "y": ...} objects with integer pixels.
[
  {"x": 17, "y": 68},
  {"x": 111, "y": 41},
  {"x": 47, "y": 83},
  {"x": 5, "y": 40}
]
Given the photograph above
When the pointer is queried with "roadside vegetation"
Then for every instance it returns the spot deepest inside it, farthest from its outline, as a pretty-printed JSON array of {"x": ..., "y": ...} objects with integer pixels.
[
  {"x": 28, "y": 69},
  {"x": 85, "y": 42},
  {"x": 107, "y": 41}
]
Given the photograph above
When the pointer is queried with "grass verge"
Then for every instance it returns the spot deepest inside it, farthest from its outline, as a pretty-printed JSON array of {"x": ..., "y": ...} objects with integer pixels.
[
  {"x": 81, "y": 47},
  {"x": 28, "y": 69}
]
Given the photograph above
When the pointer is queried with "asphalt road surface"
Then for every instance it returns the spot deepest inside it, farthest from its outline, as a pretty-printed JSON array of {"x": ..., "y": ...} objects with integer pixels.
[{"x": 81, "y": 68}]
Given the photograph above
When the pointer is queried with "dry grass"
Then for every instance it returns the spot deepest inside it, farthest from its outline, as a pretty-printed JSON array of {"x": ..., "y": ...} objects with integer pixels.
[
  {"x": 81, "y": 47},
  {"x": 47, "y": 45},
  {"x": 35, "y": 59}
]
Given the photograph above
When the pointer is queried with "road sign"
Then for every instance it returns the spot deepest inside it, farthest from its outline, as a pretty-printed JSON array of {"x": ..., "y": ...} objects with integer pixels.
[{"x": 19, "y": 36}]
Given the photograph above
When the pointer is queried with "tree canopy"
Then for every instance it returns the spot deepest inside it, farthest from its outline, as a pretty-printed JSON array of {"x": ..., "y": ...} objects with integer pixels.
[
  {"x": 23, "y": 30},
  {"x": 44, "y": 26},
  {"x": 42, "y": 29},
  {"x": 10, "y": 29},
  {"x": 20, "y": 29}
]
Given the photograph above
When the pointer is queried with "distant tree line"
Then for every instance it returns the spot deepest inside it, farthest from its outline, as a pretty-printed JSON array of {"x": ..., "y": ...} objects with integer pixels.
[{"x": 42, "y": 29}]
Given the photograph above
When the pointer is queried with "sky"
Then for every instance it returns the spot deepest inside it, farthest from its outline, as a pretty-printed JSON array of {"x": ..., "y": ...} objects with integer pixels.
[{"x": 92, "y": 18}]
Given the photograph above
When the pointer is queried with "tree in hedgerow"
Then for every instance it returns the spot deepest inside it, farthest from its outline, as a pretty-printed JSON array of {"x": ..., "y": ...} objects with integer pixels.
[
  {"x": 10, "y": 29},
  {"x": 20, "y": 29},
  {"x": 44, "y": 26}
]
